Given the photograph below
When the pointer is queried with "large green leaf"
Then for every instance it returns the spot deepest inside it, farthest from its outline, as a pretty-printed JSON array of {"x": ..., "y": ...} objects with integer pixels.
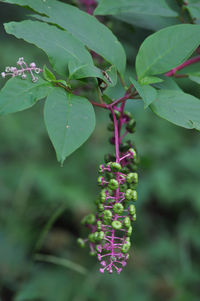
[
  {"x": 69, "y": 119},
  {"x": 19, "y": 94},
  {"x": 178, "y": 107},
  {"x": 144, "y": 7},
  {"x": 61, "y": 46},
  {"x": 166, "y": 49},
  {"x": 147, "y": 92},
  {"x": 83, "y": 26}
]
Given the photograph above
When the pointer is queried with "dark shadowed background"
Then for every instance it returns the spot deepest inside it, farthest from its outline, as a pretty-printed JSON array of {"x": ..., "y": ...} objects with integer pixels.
[{"x": 35, "y": 190}]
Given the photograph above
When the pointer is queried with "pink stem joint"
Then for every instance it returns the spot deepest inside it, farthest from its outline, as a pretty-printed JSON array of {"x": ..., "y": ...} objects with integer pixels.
[
  {"x": 23, "y": 69},
  {"x": 110, "y": 229}
]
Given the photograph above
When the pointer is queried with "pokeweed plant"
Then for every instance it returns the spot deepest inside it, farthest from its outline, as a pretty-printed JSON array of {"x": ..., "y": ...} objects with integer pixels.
[{"x": 85, "y": 55}]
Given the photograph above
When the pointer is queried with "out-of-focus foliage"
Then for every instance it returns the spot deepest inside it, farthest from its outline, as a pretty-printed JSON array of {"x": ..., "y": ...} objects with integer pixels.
[{"x": 164, "y": 263}]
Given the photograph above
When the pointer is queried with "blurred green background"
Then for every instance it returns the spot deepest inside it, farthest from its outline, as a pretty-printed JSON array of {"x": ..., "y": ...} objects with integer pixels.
[{"x": 35, "y": 191}]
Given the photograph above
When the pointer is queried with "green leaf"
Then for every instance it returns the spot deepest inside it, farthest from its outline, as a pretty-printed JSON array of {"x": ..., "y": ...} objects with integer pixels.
[
  {"x": 69, "y": 119},
  {"x": 48, "y": 75},
  {"x": 147, "y": 93},
  {"x": 168, "y": 83},
  {"x": 86, "y": 28},
  {"x": 178, "y": 107},
  {"x": 193, "y": 7},
  {"x": 19, "y": 94},
  {"x": 60, "y": 46},
  {"x": 144, "y": 7},
  {"x": 166, "y": 49},
  {"x": 194, "y": 76},
  {"x": 150, "y": 80}
]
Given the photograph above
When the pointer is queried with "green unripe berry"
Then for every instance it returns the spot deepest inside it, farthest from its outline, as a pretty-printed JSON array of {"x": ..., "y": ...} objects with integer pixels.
[
  {"x": 102, "y": 196},
  {"x": 115, "y": 166},
  {"x": 131, "y": 126},
  {"x": 100, "y": 180},
  {"x": 129, "y": 231},
  {"x": 128, "y": 240},
  {"x": 100, "y": 169},
  {"x": 134, "y": 217},
  {"x": 127, "y": 114},
  {"x": 131, "y": 209},
  {"x": 117, "y": 114},
  {"x": 99, "y": 224},
  {"x": 91, "y": 237},
  {"x": 132, "y": 178},
  {"x": 107, "y": 215},
  {"x": 128, "y": 194},
  {"x": 127, "y": 222},
  {"x": 89, "y": 219},
  {"x": 133, "y": 152},
  {"x": 116, "y": 225},
  {"x": 101, "y": 235},
  {"x": 100, "y": 207},
  {"x": 134, "y": 195},
  {"x": 125, "y": 248},
  {"x": 118, "y": 208},
  {"x": 113, "y": 184},
  {"x": 81, "y": 242},
  {"x": 96, "y": 236}
]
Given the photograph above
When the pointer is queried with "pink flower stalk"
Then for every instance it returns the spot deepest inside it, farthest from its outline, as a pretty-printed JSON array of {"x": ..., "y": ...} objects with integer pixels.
[
  {"x": 110, "y": 229},
  {"x": 23, "y": 69}
]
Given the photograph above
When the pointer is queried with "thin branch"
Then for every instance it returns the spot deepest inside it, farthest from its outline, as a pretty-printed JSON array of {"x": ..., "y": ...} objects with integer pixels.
[{"x": 185, "y": 64}]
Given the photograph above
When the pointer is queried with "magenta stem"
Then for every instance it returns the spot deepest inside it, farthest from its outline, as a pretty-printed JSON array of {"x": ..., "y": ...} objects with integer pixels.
[
  {"x": 185, "y": 64},
  {"x": 116, "y": 134}
]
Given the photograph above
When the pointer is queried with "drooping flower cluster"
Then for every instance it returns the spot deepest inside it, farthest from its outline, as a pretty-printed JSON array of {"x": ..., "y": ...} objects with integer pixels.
[
  {"x": 111, "y": 227},
  {"x": 23, "y": 69}
]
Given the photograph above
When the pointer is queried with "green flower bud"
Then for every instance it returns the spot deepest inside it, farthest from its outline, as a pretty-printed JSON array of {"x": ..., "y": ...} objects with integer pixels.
[
  {"x": 132, "y": 178},
  {"x": 115, "y": 166},
  {"x": 118, "y": 208},
  {"x": 116, "y": 225},
  {"x": 113, "y": 184},
  {"x": 93, "y": 253},
  {"x": 127, "y": 222},
  {"x": 81, "y": 242}
]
